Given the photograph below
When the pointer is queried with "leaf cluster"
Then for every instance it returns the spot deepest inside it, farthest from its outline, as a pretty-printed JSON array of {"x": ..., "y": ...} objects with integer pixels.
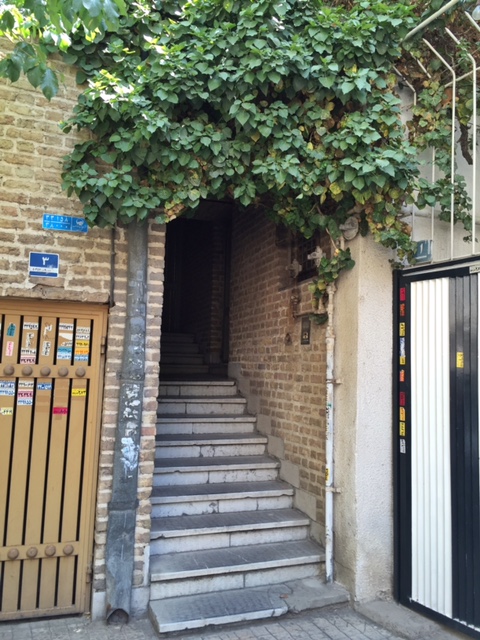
[{"x": 284, "y": 105}]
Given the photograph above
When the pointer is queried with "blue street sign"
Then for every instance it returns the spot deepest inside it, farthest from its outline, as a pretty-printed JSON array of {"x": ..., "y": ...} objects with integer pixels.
[
  {"x": 43, "y": 265},
  {"x": 64, "y": 223},
  {"x": 424, "y": 251}
]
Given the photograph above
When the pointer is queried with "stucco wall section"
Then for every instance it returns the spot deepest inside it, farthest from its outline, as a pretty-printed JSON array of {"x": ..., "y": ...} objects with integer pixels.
[
  {"x": 283, "y": 380},
  {"x": 363, "y": 528}
]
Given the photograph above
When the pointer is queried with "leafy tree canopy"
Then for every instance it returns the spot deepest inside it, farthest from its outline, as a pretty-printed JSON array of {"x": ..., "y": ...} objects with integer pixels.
[
  {"x": 286, "y": 105},
  {"x": 39, "y": 27},
  {"x": 283, "y": 105}
]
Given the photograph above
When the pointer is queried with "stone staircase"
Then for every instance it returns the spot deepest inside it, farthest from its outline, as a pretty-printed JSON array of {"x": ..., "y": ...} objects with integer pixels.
[{"x": 225, "y": 538}]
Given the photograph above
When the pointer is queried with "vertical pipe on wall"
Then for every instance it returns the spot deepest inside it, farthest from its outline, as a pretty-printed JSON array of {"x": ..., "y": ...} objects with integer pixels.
[
  {"x": 120, "y": 548},
  {"x": 329, "y": 460}
]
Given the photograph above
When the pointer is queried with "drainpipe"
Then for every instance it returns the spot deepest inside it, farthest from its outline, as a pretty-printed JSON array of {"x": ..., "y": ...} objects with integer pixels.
[
  {"x": 120, "y": 544},
  {"x": 329, "y": 462},
  {"x": 431, "y": 18}
]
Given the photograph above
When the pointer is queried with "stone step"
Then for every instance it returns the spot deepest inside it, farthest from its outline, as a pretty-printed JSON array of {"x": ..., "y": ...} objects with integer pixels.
[
  {"x": 196, "y": 406},
  {"x": 220, "y": 498},
  {"x": 206, "y": 424},
  {"x": 194, "y": 612},
  {"x": 215, "y": 530},
  {"x": 177, "y": 574},
  {"x": 179, "y": 347},
  {"x": 214, "y": 470},
  {"x": 182, "y": 369},
  {"x": 177, "y": 337},
  {"x": 226, "y": 607},
  {"x": 199, "y": 388},
  {"x": 182, "y": 358},
  {"x": 210, "y": 445}
]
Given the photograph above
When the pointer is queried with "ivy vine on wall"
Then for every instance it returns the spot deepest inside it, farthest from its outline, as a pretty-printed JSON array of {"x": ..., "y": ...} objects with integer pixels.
[{"x": 285, "y": 106}]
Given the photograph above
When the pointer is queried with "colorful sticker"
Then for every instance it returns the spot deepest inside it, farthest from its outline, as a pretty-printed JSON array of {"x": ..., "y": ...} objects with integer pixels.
[
  {"x": 402, "y": 328},
  {"x": 85, "y": 344},
  {"x": 60, "y": 411},
  {"x": 25, "y": 402},
  {"x": 47, "y": 329},
  {"x": 82, "y": 352},
  {"x": 64, "y": 353},
  {"x": 83, "y": 333},
  {"x": 9, "y": 348},
  {"x": 403, "y": 446},
  {"x": 402, "y": 375},
  {"x": 81, "y": 358},
  {"x": 7, "y": 388},
  {"x": 402, "y": 310},
  {"x": 28, "y": 356},
  {"x": 403, "y": 294},
  {"x": 30, "y": 326},
  {"x": 44, "y": 386},
  {"x": 402, "y": 428},
  {"x": 46, "y": 348},
  {"x": 403, "y": 360},
  {"x": 402, "y": 398},
  {"x": 12, "y": 328},
  {"x": 26, "y": 384},
  {"x": 6, "y": 411},
  {"x": 63, "y": 326},
  {"x": 460, "y": 360},
  {"x": 402, "y": 413},
  {"x": 402, "y": 348},
  {"x": 26, "y": 393},
  {"x": 79, "y": 392}
]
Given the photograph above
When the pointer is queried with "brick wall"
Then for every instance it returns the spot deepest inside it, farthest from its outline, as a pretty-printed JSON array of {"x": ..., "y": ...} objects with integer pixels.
[
  {"x": 31, "y": 151},
  {"x": 284, "y": 380}
]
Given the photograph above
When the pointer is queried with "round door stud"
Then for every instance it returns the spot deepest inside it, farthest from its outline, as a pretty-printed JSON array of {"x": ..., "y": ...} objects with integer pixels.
[
  {"x": 68, "y": 549},
  {"x": 32, "y": 552},
  {"x": 13, "y": 554},
  {"x": 50, "y": 550},
  {"x": 27, "y": 371},
  {"x": 63, "y": 371},
  {"x": 9, "y": 370},
  {"x": 45, "y": 371},
  {"x": 80, "y": 372}
]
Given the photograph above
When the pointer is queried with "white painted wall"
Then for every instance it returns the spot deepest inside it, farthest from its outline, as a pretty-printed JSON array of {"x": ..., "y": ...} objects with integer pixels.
[{"x": 363, "y": 523}]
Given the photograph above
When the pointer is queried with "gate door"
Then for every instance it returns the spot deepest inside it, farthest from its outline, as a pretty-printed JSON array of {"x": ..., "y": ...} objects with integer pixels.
[
  {"x": 437, "y": 445},
  {"x": 50, "y": 381}
]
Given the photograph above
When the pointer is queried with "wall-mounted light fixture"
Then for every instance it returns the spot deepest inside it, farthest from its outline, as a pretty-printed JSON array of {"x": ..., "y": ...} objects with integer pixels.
[{"x": 476, "y": 13}]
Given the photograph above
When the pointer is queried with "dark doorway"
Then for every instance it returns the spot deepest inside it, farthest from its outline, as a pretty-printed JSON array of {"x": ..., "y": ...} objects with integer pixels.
[{"x": 197, "y": 273}]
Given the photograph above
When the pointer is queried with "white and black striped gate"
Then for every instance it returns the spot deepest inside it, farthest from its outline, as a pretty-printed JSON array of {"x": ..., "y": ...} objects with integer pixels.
[{"x": 436, "y": 427}]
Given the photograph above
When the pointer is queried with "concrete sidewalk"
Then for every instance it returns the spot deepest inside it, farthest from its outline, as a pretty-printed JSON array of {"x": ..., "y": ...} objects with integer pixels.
[{"x": 332, "y": 623}]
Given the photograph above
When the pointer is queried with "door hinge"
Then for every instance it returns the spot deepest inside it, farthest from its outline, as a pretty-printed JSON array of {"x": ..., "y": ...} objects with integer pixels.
[{"x": 103, "y": 345}]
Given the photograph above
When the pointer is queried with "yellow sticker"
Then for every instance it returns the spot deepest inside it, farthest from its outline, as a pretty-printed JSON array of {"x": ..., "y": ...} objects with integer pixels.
[
  {"x": 79, "y": 392},
  {"x": 403, "y": 360},
  {"x": 459, "y": 359},
  {"x": 402, "y": 414},
  {"x": 402, "y": 328},
  {"x": 327, "y": 474},
  {"x": 402, "y": 428},
  {"x": 6, "y": 411},
  {"x": 82, "y": 343}
]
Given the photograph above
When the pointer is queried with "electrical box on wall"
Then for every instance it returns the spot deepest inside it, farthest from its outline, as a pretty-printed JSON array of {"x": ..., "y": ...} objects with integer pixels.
[{"x": 305, "y": 334}]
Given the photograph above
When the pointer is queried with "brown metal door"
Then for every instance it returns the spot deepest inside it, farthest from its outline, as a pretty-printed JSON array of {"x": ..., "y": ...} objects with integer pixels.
[{"x": 50, "y": 388}]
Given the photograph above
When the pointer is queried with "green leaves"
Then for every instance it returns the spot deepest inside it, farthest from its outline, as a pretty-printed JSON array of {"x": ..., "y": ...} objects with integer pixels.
[
  {"x": 284, "y": 104},
  {"x": 38, "y": 27}
]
